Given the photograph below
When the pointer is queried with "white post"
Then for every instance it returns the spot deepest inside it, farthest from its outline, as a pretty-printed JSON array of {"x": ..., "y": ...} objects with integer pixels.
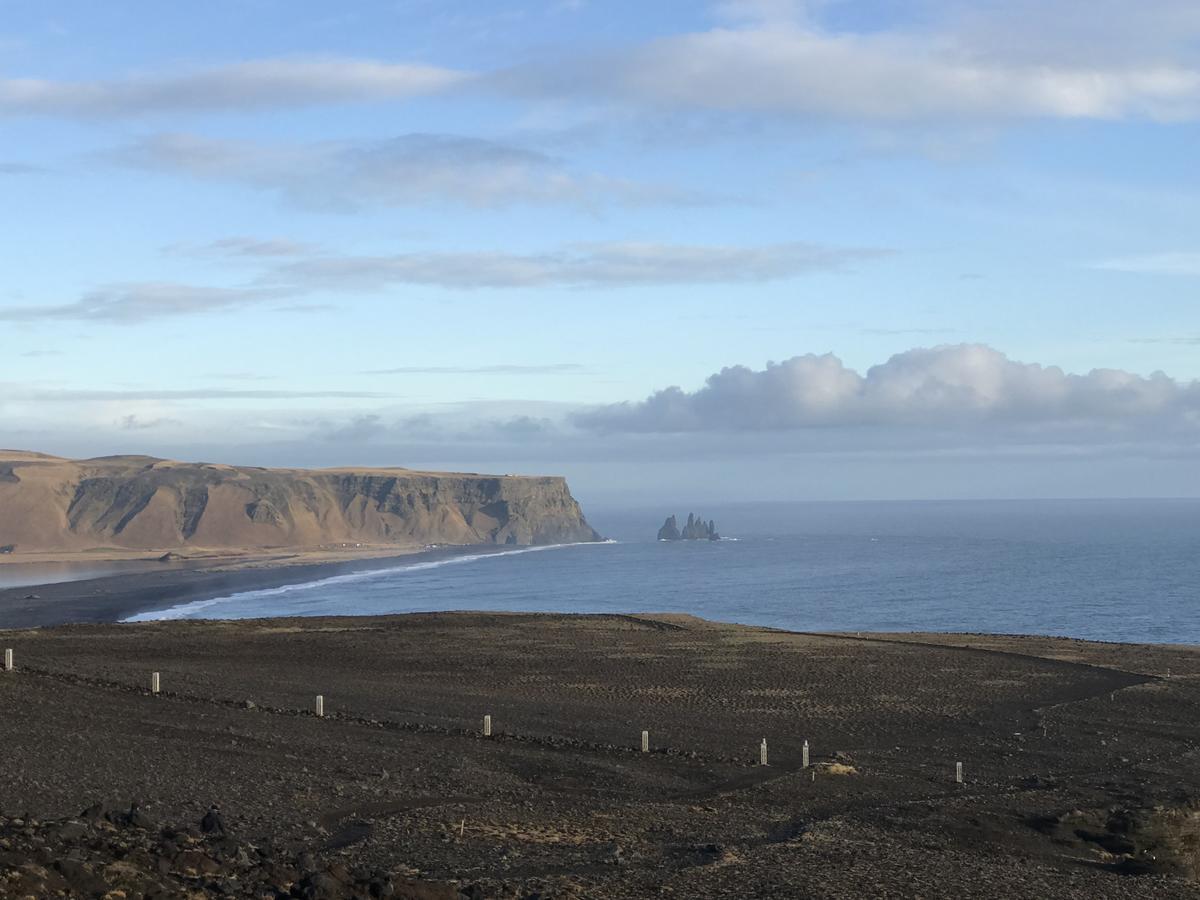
[
  {"x": 487, "y": 726},
  {"x": 958, "y": 773},
  {"x": 804, "y": 756},
  {"x": 762, "y": 753},
  {"x": 8, "y": 663},
  {"x": 645, "y": 742},
  {"x": 319, "y": 707},
  {"x": 154, "y": 682}
]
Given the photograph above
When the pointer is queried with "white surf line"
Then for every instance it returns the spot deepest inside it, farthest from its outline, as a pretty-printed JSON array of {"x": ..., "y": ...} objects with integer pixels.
[{"x": 186, "y": 610}]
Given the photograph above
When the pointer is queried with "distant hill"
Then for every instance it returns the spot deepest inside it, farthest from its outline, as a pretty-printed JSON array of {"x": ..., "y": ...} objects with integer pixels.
[{"x": 143, "y": 503}]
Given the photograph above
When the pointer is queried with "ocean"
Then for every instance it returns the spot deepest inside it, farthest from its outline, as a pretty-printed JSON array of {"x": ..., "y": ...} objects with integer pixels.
[{"x": 1114, "y": 570}]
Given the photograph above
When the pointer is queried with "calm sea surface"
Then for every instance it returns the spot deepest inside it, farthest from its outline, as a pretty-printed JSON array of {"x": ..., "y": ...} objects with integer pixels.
[{"x": 1109, "y": 570}]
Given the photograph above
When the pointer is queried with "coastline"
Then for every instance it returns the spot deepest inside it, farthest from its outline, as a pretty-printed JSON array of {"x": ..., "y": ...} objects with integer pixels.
[{"x": 110, "y": 599}]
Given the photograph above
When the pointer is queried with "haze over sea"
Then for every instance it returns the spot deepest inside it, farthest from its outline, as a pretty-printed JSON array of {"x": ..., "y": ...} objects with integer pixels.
[{"x": 1119, "y": 570}]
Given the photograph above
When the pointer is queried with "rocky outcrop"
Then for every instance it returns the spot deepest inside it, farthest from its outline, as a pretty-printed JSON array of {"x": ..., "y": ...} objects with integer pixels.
[
  {"x": 142, "y": 503},
  {"x": 120, "y": 851},
  {"x": 696, "y": 529}
]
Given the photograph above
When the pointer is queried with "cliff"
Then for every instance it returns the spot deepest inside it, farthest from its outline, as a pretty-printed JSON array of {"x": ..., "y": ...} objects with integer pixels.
[
  {"x": 696, "y": 529},
  {"x": 142, "y": 503}
]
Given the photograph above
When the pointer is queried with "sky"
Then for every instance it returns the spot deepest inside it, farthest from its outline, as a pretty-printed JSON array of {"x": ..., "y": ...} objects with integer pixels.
[{"x": 677, "y": 251}]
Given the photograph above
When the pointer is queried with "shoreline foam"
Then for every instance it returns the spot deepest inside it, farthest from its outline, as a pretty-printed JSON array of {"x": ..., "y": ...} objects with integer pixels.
[
  {"x": 183, "y": 611},
  {"x": 114, "y": 598}
]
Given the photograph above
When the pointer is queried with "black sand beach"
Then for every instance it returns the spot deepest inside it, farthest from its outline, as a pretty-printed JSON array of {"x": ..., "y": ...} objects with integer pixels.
[
  {"x": 161, "y": 586},
  {"x": 1081, "y": 774}
]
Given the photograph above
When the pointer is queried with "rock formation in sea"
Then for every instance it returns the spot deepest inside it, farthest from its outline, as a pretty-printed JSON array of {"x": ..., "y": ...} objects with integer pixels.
[
  {"x": 696, "y": 529},
  {"x": 142, "y": 503}
]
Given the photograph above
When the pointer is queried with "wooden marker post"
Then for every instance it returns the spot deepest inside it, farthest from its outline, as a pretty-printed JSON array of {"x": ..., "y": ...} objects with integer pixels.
[
  {"x": 645, "y": 742},
  {"x": 487, "y": 726},
  {"x": 155, "y": 682},
  {"x": 319, "y": 707},
  {"x": 762, "y": 753},
  {"x": 804, "y": 756},
  {"x": 958, "y": 773},
  {"x": 8, "y": 663}
]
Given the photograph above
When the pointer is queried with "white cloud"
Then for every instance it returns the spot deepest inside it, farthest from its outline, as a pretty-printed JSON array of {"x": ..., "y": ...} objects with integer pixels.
[
  {"x": 582, "y": 266},
  {"x": 962, "y": 386},
  {"x": 889, "y": 78},
  {"x": 412, "y": 169},
  {"x": 141, "y": 301},
  {"x": 940, "y": 59},
  {"x": 248, "y": 86}
]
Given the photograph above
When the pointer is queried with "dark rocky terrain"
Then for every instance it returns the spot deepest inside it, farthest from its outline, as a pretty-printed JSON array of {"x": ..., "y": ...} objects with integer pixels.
[
  {"x": 696, "y": 529},
  {"x": 1081, "y": 765},
  {"x": 114, "y": 852}
]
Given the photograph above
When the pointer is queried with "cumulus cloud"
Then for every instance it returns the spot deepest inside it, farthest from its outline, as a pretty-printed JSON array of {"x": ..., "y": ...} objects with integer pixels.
[
  {"x": 581, "y": 266},
  {"x": 409, "y": 170},
  {"x": 966, "y": 385},
  {"x": 247, "y": 86}
]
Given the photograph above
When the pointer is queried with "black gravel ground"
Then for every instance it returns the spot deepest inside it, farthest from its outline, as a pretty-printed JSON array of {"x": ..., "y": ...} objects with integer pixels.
[{"x": 1080, "y": 760}]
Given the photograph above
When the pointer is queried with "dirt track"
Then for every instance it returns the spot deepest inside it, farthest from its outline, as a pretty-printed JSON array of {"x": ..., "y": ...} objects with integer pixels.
[{"x": 1068, "y": 748}]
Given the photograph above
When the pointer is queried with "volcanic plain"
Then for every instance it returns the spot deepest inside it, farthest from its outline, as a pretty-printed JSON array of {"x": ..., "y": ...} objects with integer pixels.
[{"x": 1081, "y": 773}]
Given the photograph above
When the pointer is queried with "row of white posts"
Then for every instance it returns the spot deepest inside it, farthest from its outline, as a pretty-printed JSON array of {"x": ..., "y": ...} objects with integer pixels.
[{"x": 319, "y": 712}]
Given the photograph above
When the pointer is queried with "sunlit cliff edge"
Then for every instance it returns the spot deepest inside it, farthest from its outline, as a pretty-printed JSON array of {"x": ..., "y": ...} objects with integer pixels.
[{"x": 54, "y": 505}]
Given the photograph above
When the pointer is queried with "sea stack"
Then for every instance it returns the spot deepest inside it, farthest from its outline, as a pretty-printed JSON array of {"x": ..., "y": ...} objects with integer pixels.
[{"x": 696, "y": 529}]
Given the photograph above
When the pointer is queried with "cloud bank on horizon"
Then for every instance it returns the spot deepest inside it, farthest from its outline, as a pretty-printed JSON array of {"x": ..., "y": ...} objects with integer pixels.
[
  {"x": 949, "y": 407},
  {"x": 969, "y": 389},
  {"x": 958, "y": 386}
]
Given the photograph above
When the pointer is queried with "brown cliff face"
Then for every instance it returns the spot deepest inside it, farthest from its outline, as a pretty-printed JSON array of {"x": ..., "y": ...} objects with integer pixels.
[{"x": 141, "y": 503}]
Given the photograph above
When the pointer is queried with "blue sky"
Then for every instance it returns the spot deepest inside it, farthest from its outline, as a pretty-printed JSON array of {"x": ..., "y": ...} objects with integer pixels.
[{"x": 456, "y": 234}]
